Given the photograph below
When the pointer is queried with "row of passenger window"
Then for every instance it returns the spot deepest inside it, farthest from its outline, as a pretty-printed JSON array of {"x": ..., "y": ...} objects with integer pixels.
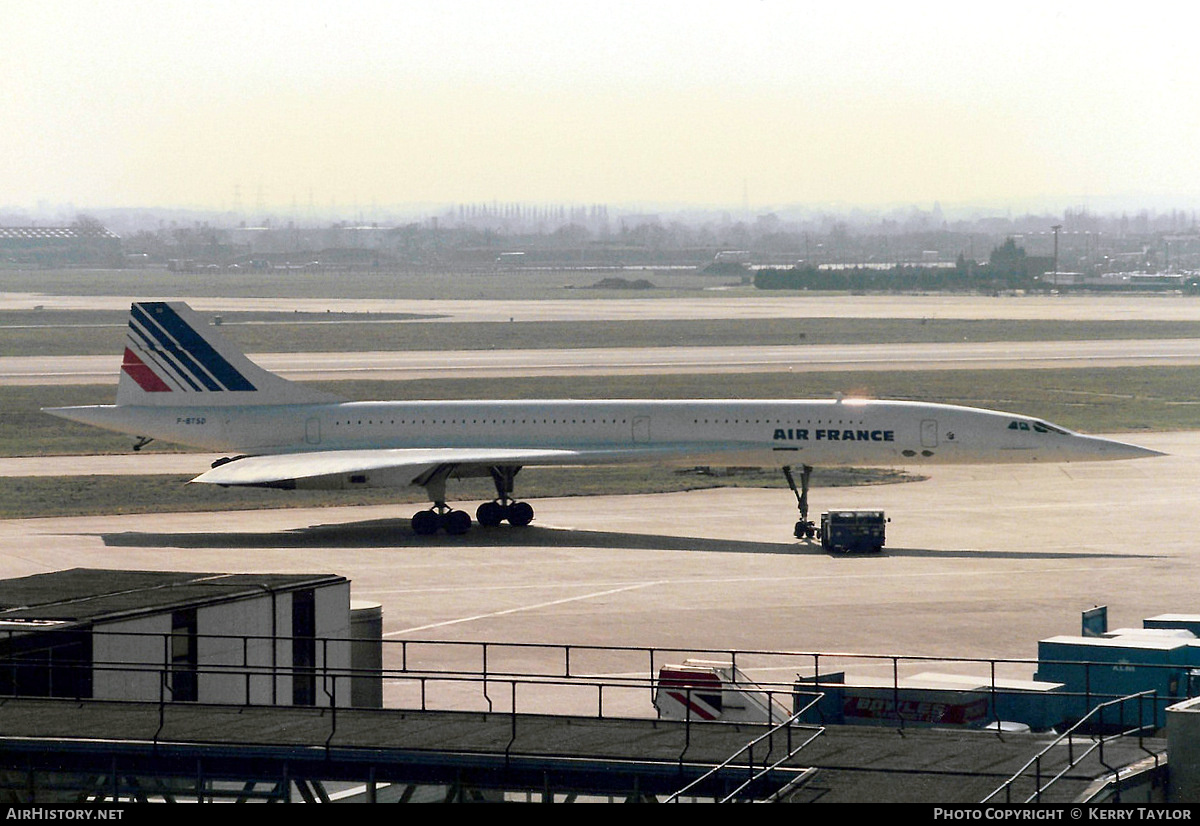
[
  {"x": 402, "y": 422},
  {"x": 807, "y": 423},
  {"x": 390, "y": 422},
  {"x": 579, "y": 422}
]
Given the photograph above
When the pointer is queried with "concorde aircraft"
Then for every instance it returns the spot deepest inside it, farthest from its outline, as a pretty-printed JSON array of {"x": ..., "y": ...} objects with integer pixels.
[{"x": 183, "y": 382}]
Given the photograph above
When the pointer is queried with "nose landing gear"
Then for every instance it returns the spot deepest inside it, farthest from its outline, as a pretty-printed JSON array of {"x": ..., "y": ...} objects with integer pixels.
[{"x": 805, "y": 528}]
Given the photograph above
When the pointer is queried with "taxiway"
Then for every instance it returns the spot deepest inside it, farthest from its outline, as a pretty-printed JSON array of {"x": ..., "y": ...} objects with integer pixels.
[
  {"x": 1073, "y": 307},
  {"x": 980, "y": 560},
  {"x": 409, "y": 365}
]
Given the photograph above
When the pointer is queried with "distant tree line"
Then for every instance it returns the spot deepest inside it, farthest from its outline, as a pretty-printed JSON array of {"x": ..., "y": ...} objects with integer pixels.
[{"x": 1008, "y": 268}]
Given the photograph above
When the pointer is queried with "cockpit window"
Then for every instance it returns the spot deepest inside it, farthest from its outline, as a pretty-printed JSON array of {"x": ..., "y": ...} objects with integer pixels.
[{"x": 1036, "y": 425}]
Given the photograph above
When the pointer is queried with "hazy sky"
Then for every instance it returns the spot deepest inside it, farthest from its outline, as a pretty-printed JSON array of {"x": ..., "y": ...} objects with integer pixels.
[{"x": 710, "y": 103}]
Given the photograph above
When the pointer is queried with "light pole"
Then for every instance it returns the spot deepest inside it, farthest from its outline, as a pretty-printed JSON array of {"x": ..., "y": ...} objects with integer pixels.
[{"x": 1056, "y": 228}]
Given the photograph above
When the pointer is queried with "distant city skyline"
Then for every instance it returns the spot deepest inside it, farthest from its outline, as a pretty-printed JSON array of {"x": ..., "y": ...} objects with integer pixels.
[{"x": 308, "y": 107}]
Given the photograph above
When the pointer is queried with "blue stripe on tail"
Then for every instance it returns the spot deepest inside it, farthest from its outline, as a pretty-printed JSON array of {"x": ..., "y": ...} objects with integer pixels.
[
  {"x": 161, "y": 345},
  {"x": 193, "y": 353},
  {"x": 159, "y": 358}
]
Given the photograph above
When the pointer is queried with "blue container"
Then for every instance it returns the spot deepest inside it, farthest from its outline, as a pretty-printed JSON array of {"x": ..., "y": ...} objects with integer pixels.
[{"x": 1095, "y": 669}]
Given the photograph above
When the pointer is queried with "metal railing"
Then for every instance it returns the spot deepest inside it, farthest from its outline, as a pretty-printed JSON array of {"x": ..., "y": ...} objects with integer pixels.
[
  {"x": 33, "y": 664},
  {"x": 818, "y": 664},
  {"x": 1088, "y": 744},
  {"x": 754, "y": 775},
  {"x": 167, "y": 727},
  {"x": 520, "y": 680}
]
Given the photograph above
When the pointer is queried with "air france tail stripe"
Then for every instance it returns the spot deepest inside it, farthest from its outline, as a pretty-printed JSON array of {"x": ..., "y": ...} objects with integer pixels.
[
  {"x": 199, "y": 348},
  {"x": 157, "y": 359},
  {"x": 171, "y": 349},
  {"x": 162, "y": 358},
  {"x": 146, "y": 378},
  {"x": 187, "y": 353},
  {"x": 168, "y": 369}
]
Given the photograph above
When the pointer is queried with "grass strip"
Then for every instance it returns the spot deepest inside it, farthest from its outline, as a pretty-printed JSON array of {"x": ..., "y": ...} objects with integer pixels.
[{"x": 30, "y": 333}]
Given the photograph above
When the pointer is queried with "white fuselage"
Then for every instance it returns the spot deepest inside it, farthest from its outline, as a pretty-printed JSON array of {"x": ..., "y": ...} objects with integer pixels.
[
  {"x": 752, "y": 432},
  {"x": 181, "y": 381}
]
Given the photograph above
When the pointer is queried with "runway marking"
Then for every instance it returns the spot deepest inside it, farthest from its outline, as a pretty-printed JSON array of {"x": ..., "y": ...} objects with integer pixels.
[
  {"x": 371, "y": 593},
  {"x": 523, "y": 608},
  {"x": 640, "y": 585}
]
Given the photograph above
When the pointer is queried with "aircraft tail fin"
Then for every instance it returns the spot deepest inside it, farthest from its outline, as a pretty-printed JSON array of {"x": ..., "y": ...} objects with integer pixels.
[{"x": 173, "y": 358}]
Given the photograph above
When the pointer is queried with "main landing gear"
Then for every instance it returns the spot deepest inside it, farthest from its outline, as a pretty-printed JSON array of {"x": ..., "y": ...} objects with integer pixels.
[
  {"x": 489, "y": 515},
  {"x": 440, "y": 517},
  {"x": 805, "y": 528},
  {"x": 503, "y": 507}
]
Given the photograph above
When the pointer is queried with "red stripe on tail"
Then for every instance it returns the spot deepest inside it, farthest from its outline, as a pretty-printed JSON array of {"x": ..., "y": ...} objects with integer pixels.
[{"x": 146, "y": 378}]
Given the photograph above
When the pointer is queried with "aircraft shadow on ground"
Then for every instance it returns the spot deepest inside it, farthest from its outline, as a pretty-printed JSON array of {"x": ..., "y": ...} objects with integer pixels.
[{"x": 395, "y": 534}]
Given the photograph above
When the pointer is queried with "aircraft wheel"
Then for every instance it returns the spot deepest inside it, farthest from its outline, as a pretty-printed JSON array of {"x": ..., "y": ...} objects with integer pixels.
[
  {"x": 520, "y": 514},
  {"x": 425, "y": 523},
  {"x": 490, "y": 514},
  {"x": 456, "y": 522}
]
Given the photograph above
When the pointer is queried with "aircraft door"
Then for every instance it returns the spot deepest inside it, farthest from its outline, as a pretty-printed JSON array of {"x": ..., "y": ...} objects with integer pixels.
[
  {"x": 929, "y": 433},
  {"x": 641, "y": 429},
  {"x": 312, "y": 431}
]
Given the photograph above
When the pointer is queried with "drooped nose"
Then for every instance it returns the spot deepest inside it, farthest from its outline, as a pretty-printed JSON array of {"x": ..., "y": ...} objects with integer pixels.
[{"x": 1113, "y": 449}]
